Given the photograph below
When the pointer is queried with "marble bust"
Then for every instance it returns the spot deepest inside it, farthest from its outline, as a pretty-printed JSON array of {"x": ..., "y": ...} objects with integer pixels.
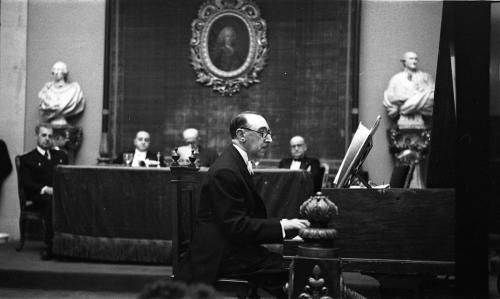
[
  {"x": 410, "y": 94},
  {"x": 59, "y": 98}
]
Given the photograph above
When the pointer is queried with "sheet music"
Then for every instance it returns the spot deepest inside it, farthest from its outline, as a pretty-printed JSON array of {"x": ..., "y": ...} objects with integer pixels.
[
  {"x": 357, "y": 141},
  {"x": 356, "y": 153}
]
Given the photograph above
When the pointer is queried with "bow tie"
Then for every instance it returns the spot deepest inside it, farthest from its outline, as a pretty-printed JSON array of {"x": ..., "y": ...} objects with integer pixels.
[{"x": 299, "y": 160}]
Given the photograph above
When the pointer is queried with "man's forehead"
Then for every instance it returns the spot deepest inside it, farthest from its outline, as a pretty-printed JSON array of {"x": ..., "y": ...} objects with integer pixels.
[
  {"x": 256, "y": 122},
  {"x": 44, "y": 130},
  {"x": 297, "y": 141},
  {"x": 190, "y": 133},
  {"x": 409, "y": 55},
  {"x": 59, "y": 65},
  {"x": 142, "y": 135}
]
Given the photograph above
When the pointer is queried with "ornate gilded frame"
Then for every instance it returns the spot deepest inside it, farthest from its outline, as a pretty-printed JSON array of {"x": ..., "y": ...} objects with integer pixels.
[{"x": 212, "y": 14}]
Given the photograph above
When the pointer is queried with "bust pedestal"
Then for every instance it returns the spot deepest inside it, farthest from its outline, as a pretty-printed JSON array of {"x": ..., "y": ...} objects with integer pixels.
[
  {"x": 410, "y": 147},
  {"x": 68, "y": 138}
]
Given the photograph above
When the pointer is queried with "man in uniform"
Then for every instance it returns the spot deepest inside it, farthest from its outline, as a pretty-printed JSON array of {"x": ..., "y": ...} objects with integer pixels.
[{"x": 37, "y": 171}]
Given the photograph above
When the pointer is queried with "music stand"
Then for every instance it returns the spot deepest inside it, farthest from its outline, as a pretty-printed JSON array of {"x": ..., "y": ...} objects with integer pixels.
[{"x": 357, "y": 152}]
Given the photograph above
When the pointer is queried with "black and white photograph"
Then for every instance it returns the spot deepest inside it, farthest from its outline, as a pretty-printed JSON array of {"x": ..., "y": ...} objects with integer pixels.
[{"x": 250, "y": 149}]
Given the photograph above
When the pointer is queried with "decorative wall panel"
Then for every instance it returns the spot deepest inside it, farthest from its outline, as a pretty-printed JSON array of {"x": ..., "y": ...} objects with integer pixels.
[{"x": 305, "y": 89}]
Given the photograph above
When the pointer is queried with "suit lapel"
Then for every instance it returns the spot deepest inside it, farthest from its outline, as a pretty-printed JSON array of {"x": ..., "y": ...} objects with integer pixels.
[
  {"x": 38, "y": 158},
  {"x": 244, "y": 170},
  {"x": 41, "y": 160},
  {"x": 303, "y": 164}
]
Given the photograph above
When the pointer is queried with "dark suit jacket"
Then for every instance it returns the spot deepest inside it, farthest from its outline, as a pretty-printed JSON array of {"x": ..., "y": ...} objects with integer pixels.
[
  {"x": 305, "y": 163},
  {"x": 149, "y": 156},
  {"x": 5, "y": 163},
  {"x": 207, "y": 156},
  {"x": 231, "y": 221},
  {"x": 37, "y": 172}
]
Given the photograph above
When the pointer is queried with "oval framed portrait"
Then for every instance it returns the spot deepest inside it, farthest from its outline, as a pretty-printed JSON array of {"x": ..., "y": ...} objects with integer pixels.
[{"x": 228, "y": 46}]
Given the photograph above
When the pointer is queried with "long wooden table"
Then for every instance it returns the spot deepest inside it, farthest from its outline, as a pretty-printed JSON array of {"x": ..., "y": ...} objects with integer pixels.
[{"x": 122, "y": 214}]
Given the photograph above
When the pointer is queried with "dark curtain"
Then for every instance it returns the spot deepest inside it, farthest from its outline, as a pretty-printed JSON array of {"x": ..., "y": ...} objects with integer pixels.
[
  {"x": 459, "y": 149},
  {"x": 441, "y": 171}
]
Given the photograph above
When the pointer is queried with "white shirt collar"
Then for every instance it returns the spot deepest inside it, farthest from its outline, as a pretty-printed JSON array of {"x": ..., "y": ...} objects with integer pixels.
[
  {"x": 242, "y": 152},
  {"x": 40, "y": 150},
  {"x": 138, "y": 152},
  {"x": 244, "y": 155},
  {"x": 295, "y": 165},
  {"x": 138, "y": 157}
]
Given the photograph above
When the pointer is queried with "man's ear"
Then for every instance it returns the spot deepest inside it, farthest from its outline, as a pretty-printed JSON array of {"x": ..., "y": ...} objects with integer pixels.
[{"x": 240, "y": 135}]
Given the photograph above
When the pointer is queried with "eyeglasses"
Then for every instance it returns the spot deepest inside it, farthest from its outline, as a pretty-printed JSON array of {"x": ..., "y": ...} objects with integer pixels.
[{"x": 263, "y": 133}]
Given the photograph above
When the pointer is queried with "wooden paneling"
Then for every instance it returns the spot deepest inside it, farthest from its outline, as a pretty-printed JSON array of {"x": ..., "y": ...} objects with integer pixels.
[
  {"x": 397, "y": 224},
  {"x": 302, "y": 89}
]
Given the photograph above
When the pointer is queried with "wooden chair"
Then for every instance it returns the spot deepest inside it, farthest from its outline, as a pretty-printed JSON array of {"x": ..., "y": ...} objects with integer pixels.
[
  {"x": 28, "y": 212},
  {"x": 183, "y": 220}
]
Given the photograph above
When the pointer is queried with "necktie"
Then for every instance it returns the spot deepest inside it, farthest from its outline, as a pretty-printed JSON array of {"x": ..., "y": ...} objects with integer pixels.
[
  {"x": 249, "y": 167},
  {"x": 47, "y": 155}
]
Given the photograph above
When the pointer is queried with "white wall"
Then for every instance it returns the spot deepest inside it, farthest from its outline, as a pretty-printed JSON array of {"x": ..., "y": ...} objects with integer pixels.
[
  {"x": 73, "y": 32},
  {"x": 388, "y": 29},
  {"x": 12, "y": 101},
  {"x": 34, "y": 35}
]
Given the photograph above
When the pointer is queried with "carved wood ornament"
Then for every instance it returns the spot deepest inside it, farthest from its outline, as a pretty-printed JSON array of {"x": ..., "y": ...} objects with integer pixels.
[
  {"x": 228, "y": 45},
  {"x": 316, "y": 288}
]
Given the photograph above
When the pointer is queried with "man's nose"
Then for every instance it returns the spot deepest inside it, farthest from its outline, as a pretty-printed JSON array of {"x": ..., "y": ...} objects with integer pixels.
[{"x": 268, "y": 139}]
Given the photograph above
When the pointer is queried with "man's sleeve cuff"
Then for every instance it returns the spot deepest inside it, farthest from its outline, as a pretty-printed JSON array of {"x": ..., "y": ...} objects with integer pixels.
[
  {"x": 42, "y": 191},
  {"x": 282, "y": 228}
]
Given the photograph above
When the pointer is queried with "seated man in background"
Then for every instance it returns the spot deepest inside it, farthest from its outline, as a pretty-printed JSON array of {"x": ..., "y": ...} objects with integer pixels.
[
  {"x": 5, "y": 164},
  {"x": 232, "y": 220},
  {"x": 37, "y": 171},
  {"x": 205, "y": 156},
  {"x": 299, "y": 160},
  {"x": 141, "y": 156}
]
